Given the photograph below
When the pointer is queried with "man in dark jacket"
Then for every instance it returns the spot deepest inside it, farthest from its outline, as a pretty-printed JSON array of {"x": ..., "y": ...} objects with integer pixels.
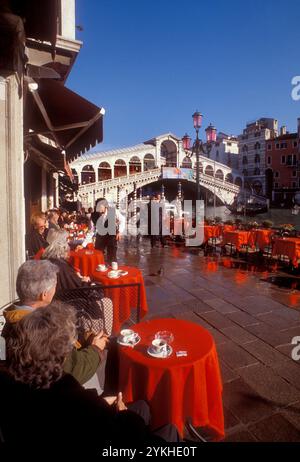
[{"x": 36, "y": 285}]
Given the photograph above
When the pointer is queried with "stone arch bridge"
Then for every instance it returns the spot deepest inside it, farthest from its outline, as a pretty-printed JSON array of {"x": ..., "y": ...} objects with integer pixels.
[{"x": 116, "y": 173}]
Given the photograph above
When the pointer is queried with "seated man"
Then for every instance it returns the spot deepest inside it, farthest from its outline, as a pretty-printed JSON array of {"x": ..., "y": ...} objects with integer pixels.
[
  {"x": 62, "y": 413},
  {"x": 36, "y": 285}
]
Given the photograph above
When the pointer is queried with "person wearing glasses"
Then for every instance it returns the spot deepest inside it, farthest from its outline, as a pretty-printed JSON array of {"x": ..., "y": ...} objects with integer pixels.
[{"x": 36, "y": 238}]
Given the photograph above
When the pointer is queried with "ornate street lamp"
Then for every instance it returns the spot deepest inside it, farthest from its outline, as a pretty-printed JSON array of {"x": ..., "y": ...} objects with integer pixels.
[{"x": 198, "y": 146}]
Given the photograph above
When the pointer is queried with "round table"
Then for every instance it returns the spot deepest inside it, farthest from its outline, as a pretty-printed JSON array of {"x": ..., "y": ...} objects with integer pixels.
[
  {"x": 124, "y": 298},
  {"x": 289, "y": 247},
  {"x": 177, "y": 388},
  {"x": 86, "y": 260}
]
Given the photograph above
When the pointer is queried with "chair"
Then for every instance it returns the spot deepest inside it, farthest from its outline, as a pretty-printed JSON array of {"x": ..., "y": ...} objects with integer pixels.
[{"x": 82, "y": 298}]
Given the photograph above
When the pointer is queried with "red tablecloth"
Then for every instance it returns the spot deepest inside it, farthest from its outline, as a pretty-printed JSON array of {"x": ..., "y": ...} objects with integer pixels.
[
  {"x": 262, "y": 237},
  {"x": 287, "y": 246},
  {"x": 238, "y": 238},
  {"x": 85, "y": 261},
  {"x": 176, "y": 388},
  {"x": 211, "y": 232},
  {"x": 124, "y": 299}
]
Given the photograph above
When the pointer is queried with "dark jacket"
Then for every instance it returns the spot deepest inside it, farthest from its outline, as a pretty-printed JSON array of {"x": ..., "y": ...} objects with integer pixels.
[
  {"x": 35, "y": 242},
  {"x": 65, "y": 416},
  {"x": 81, "y": 364},
  {"x": 67, "y": 278}
]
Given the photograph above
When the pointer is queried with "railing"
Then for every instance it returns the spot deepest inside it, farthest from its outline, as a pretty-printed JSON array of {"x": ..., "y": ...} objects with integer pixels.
[
  {"x": 151, "y": 175},
  {"x": 148, "y": 174}
]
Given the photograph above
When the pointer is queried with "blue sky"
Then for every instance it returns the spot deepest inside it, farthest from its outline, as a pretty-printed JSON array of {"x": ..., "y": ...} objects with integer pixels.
[{"x": 152, "y": 63}]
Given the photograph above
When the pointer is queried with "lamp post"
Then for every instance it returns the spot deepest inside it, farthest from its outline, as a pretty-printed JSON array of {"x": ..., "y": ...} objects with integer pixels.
[{"x": 198, "y": 146}]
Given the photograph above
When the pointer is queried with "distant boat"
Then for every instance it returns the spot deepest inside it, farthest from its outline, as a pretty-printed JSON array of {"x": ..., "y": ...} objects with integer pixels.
[{"x": 249, "y": 205}]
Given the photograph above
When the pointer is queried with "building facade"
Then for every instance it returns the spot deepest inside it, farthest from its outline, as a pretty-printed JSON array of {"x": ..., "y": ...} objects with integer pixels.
[
  {"x": 252, "y": 147},
  {"x": 43, "y": 125},
  {"x": 225, "y": 150},
  {"x": 283, "y": 167}
]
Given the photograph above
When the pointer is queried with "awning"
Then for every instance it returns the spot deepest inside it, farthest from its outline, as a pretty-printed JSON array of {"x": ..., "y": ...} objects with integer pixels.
[
  {"x": 40, "y": 18},
  {"x": 56, "y": 112}
]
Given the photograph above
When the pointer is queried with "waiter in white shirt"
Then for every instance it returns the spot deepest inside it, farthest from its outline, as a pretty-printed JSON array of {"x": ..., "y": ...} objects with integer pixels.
[{"x": 110, "y": 224}]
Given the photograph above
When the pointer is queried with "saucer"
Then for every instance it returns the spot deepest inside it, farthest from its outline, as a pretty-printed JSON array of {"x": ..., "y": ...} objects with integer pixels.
[
  {"x": 131, "y": 344},
  {"x": 162, "y": 355},
  {"x": 113, "y": 274},
  {"x": 101, "y": 270}
]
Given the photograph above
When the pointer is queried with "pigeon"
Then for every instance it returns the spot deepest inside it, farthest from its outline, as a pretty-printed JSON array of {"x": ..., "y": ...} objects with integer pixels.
[{"x": 160, "y": 272}]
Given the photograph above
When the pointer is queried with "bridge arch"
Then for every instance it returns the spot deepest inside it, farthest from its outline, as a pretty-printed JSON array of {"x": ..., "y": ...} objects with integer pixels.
[
  {"x": 209, "y": 170},
  {"x": 104, "y": 171},
  {"x": 186, "y": 162},
  {"x": 135, "y": 165},
  {"x": 168, "y": 150},
  {"x": 229, "y": 178},
  {"x": 120, "y": 168},
  {"x": 88, "y": 174},
  {"x": 219, "y": 174},
  {"x": 149, "y": 162}
]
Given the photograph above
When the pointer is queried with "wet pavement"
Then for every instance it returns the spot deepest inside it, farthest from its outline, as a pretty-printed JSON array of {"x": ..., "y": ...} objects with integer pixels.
[{"x": 252, "y": 309}]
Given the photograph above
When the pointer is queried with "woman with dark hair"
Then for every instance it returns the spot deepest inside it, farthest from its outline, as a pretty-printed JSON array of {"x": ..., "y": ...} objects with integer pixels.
[{"x": 62, "y": 413}]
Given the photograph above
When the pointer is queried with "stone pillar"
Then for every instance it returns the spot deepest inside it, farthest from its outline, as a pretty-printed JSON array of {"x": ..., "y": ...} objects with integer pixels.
[{"x": 12, "y": 203}]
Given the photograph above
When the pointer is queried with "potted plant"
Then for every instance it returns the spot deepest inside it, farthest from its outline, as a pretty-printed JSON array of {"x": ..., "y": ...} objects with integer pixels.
[{"x": 267, "y": 224}]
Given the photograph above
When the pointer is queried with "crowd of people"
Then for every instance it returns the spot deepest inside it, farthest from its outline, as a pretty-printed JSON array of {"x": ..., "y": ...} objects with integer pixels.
[{"x": 58, "y": 368}]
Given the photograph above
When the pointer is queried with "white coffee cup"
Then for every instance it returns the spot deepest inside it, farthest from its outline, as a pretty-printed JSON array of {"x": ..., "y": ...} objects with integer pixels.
[
  {"x": 159, "y": 345},
  {"x": 128, "y": 335},
  {"x": 114, "y": 266},
  {"x": 101, "y": 267}
]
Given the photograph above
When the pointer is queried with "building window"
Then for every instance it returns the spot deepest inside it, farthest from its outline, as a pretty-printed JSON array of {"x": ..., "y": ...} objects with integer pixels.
[
  {"x": 245, "y": 148},
  {"x": 244, "y": 137},
  {"x": 294, "y": 184},
  {"x": 257, "y": 159},
  {"x": 269, "y": 160},
  {"x": 283, "y": 146},
  {"x": 291, "y": 159},
  {"x": 245, "y": 160},
  {"x": 269, "y": 147},
  {"x": 229, "y": 144},
  {"x": 257, "y": 146},
  {"x": 277, "y": 145},
  {"x": 295, "y": 144},
  {"x": 283, "y": 159},
  {"x": 276, "y": 185},
  {"x": 245, "y": 172},
  {"x": 256, "y": 171},
  {"x": 276, "y": 174},
  {"x": 257, "y": 135},
  {"x": 294, "y": 173}
]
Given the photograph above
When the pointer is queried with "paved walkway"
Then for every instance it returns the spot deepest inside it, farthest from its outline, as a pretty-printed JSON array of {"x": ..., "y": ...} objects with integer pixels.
[{"x": 252, "y": 323}]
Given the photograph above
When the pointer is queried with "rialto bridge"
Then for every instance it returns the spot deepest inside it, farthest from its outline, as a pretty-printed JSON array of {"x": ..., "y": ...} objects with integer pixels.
[{"x": 115, "y": 174}]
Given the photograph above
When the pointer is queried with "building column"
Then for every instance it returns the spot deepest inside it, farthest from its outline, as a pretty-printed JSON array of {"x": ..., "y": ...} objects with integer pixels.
[{"x": 12, "y": 202}]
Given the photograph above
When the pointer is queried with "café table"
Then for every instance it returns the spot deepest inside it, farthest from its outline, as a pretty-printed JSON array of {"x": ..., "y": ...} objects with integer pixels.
[
  {"x": 238, "y": 238},
  {"x": 262, "y": 237},
  {"x": 124, "y": 298},
  {"x": 177, "y": 388},
  {"x": 289, "y": 247},
  {"x": 86, "y": 260}
]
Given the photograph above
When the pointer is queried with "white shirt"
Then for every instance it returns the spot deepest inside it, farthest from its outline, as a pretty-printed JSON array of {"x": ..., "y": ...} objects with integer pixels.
[{"x": 120, "y": 222}]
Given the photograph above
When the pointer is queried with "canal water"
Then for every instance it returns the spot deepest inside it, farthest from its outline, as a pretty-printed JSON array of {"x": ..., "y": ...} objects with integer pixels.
[{"x": 277, "y": 216}]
